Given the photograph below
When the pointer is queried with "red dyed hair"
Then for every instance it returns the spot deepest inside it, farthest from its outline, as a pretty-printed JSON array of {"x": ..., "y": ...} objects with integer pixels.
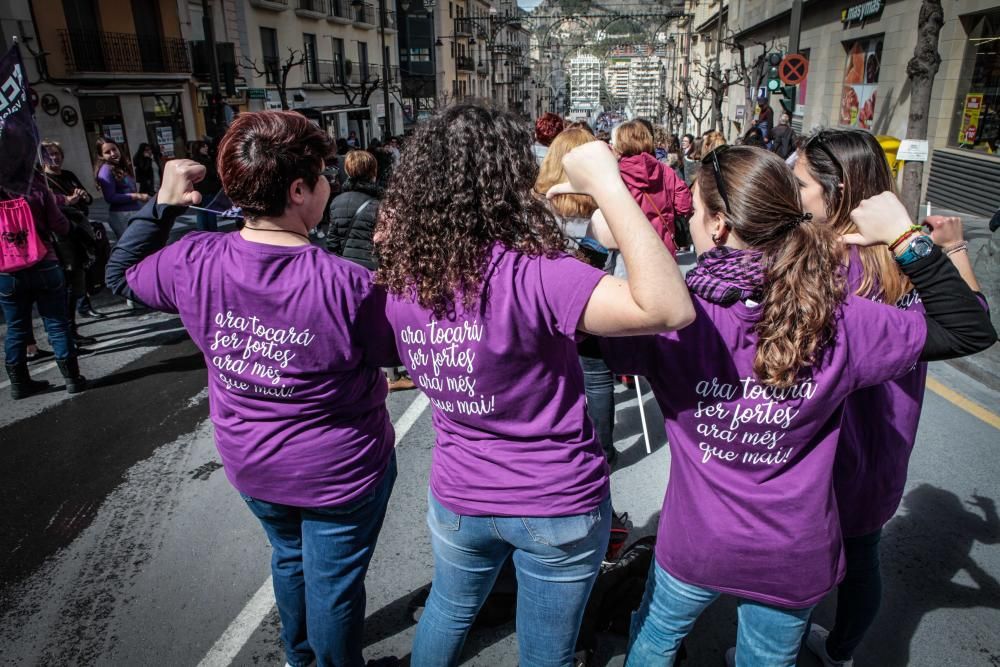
[
  {"x": 263, "y": 152},
  {"x": 547, "y": 127}
]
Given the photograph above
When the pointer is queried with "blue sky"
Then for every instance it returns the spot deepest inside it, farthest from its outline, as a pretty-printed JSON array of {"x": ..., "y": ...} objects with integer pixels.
[{"x": 528, "y": 4}]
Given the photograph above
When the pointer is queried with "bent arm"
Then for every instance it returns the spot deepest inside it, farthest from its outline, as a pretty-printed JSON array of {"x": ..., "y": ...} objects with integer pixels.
[
  {"x": 147, "y": 233},
  {"x": 654, "y": 298},
  {"x": 109, "y": 189},
  {"x": 957, "y": 323}
]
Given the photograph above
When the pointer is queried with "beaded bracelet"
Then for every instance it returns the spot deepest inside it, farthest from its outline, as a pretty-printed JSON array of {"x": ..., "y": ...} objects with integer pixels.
[
  {"x": 956, "y": 247},
  {"x": 910, "y": 231}
]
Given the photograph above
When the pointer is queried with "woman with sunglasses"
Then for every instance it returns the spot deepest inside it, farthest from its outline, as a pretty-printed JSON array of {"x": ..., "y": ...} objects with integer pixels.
[
  {"x": 487, "y": 309},
  {"x": 837, "y": 170},
  {"x": 752, "y": 395}
]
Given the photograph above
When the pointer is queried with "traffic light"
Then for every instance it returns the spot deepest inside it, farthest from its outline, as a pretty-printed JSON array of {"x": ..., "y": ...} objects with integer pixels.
[
  {"x": 788, "y": 94},
  {"x": 773, "y": 79}
]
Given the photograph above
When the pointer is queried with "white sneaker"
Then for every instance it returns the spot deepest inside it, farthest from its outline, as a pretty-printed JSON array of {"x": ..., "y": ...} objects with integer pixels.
[
  {"x": 731, "y": 657},
  {"x": 816, "y": 642}
]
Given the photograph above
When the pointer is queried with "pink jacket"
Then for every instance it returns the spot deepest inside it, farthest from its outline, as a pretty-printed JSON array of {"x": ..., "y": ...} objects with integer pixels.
[{"x": 645, "y": 175}]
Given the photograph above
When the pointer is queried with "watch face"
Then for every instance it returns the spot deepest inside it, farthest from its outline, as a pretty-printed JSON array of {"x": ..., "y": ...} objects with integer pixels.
[{"x": 922, "y": 246}]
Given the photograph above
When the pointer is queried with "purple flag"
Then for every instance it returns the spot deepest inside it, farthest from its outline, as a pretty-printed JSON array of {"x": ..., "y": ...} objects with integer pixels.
[{"x": 18, "y": 133}]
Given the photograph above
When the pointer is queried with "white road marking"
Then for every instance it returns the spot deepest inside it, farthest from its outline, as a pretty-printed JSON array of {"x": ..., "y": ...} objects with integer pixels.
[
  {"x": 49, "y": 365},
  {"x": 243, "y": 626}
]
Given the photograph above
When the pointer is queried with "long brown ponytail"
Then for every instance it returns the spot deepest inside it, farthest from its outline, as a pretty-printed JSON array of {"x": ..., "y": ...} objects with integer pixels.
[
  {"x": 804, "y": 281},
  {"x": 850, "y": 165}
]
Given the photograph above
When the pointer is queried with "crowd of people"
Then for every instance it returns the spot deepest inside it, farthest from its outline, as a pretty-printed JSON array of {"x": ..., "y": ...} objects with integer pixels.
[{"x": 510, "y": 270}]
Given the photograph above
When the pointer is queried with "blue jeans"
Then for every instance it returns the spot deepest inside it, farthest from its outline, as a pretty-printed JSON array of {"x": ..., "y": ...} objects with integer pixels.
[
  {"x": 766, "y": 637},
  {"x": 43, "y": 284},
  {"x": 599, "y": 385},
  {"x": 556, "y": 558},
  {"x": 858, "y": 596},
  {"x": 319, "y": 561}
]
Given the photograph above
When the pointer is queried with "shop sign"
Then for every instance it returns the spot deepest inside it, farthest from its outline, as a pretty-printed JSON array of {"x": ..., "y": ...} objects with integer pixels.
[
  {"x": 861, "y": 12},
  {"x": 741, "y": 111},
  {"x": 115, "y": 133},
  {"x": 912, "y": 150},
  {"x": 380, "y": 109},
  {"x": 257, "y": 93},
  {"x": 165, "y": 140},
  {"x": 970, "y": 118}
]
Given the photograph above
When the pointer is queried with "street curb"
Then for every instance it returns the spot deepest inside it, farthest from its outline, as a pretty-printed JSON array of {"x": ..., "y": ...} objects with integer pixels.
[{"x": 975, "y": 371}]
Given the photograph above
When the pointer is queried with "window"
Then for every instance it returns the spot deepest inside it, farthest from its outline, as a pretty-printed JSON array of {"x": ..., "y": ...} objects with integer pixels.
[
  {"x": 420, "y": 55},
  {"x": 857, "y": 99},
  {"x": 269, "y": 49},
  {"x": 978, "y": 120},
  {"x": 309, "y": 51},
  {"x": 363, "y": 59},
  {"x": 451, "y": 10}
]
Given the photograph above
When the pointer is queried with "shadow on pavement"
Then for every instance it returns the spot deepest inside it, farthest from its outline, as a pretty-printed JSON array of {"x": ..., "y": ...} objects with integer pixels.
[{"x": 923, "y": 551}]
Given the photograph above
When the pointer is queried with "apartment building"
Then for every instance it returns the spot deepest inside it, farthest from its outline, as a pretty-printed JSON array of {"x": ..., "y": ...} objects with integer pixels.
[
  {"x": 106, "y": 68},
  {"x": 586, "y": 73},
  {"x": 330, "y": 58},
  {"x": 646, "y": 78}
]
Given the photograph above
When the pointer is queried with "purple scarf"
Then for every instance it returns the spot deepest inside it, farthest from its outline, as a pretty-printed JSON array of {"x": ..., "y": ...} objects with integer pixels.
[{"x": 725, "y": 276}]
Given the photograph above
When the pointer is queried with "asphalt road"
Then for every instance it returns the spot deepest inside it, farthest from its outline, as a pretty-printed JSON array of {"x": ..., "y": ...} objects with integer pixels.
[{"x": 124, "y": 544}]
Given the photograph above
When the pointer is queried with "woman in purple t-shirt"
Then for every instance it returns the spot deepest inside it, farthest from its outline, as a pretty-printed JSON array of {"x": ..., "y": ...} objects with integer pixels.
[
  {"x": 294, "y": 339},
  {"x": 117, "y": 184},
  {"x": 486, "y": 309},
  {"x": 837, "y": 170},
  {"x": 753, "y": 393}
]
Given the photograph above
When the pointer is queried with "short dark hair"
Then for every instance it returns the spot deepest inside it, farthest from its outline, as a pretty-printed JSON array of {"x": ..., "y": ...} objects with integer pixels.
[
  {"x": 547, "y": 127},
  {"x": 263, "y": 152}
]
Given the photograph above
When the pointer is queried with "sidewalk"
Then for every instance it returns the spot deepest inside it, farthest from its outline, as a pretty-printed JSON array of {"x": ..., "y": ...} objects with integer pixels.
[{"x": 984, "y": 252}]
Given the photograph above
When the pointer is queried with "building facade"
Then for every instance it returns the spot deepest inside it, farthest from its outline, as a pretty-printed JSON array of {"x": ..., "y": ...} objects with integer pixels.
[
  {"x": 106, "y": 68},
  {"x": 332, "y": 59},
  {"x": 586, "y": 74},
  {"x": 858, "y": 54}
]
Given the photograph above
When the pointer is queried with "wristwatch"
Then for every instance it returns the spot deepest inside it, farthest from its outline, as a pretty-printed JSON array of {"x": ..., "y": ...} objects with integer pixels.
[{"x": 920, "y": 247}]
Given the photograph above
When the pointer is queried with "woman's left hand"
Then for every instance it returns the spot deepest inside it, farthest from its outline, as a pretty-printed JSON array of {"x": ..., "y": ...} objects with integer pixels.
[{"x": 945, "y": 230}]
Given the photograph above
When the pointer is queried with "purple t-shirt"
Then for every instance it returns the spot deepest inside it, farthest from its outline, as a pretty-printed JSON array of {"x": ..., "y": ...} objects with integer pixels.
[
  {"x": 876, "y": 437},
  {"x": 293, "y": 338},
  {"x": 506, "y": 388},
  {"x": 749, "y": 507}
]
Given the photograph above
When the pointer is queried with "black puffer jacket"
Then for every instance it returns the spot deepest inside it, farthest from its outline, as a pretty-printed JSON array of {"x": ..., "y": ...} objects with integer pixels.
[{"x": 350, "y": 231}]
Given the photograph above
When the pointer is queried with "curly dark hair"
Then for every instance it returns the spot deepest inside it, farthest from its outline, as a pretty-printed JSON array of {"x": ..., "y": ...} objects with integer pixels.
[{"x": 463, "y": 184}]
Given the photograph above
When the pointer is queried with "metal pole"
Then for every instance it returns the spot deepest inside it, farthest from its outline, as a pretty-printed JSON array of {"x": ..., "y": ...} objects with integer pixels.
[
  {"x": 387, "y": 131},
  {"x": 796, "y": 27},
  {"x": 213, "y": 64}
]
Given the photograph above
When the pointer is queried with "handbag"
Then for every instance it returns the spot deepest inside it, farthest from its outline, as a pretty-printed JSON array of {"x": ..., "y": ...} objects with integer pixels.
[{"x": 21, "y": 245}]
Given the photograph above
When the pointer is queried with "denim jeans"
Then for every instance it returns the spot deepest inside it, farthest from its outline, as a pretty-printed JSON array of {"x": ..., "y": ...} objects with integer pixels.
[
  {"x": 766, "y": 637},
  {"x": 319, "y": 559},
  {"x": 599, "y": 386},
  {"x": 858, "y": 596},
  {"x": 556, "y": 558},
  {"x": 42, "y": 284}
]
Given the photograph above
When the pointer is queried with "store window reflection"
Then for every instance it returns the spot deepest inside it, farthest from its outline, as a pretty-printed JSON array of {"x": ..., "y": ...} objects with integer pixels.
[{"x": 978, "y": 123}]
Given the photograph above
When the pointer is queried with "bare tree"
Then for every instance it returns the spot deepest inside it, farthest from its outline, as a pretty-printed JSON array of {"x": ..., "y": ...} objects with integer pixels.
[
  {"x": 277, "y": 71},
  {"x": 358, "y": 92},
  {"x": 747, "y": 71},
  {"x": 920, "y": 71},
  {"x": 697, "y": 100}
]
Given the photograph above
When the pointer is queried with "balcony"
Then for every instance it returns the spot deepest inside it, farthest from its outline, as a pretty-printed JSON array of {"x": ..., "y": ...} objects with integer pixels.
[
  {"x": 339, "y": 11},
  {"x": 507, "y": 49},
  {"x": 364, "y": 17},
  {"x": 348, "y": 73},
  {"x": 465, "y": 64},
  {"x": 311, "y": 9},
  {"x": 464, "y": 27},
  {"x": 95, "y": 51},
  {"x": 273, "y": 5},
  {"x": 389, "y": 23},
  {"x": 201, "y": 66}
]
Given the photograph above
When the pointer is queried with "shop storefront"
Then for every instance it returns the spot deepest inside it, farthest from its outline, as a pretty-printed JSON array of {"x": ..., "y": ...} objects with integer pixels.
[
  {"x": 164, "y": 124},
  {"x": 965, "y": 173}
]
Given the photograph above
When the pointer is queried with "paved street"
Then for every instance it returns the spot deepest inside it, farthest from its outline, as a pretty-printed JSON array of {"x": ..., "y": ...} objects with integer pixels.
[{"x": 124, "y": 544}]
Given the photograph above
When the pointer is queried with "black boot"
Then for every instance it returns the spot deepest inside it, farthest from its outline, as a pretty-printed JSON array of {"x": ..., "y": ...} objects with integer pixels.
[
  {"x": 70, "y": 370},
  {"x": 21, "y": 384}
]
